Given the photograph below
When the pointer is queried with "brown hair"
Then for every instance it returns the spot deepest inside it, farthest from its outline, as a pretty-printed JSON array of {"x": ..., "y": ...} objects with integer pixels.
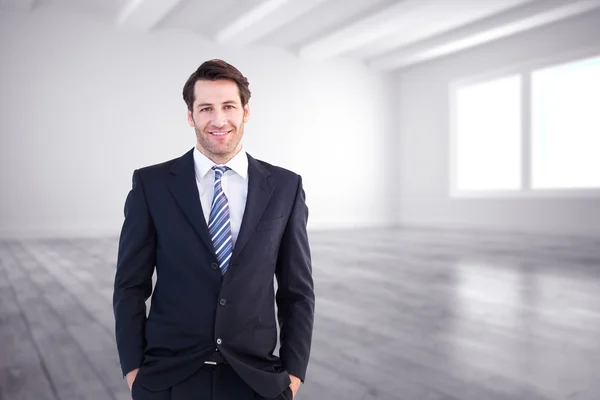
[{"x": 214, "y": 70}]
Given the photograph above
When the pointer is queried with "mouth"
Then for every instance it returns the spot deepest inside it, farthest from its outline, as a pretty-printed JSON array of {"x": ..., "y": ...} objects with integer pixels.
[{"x": 219, "y": 133}]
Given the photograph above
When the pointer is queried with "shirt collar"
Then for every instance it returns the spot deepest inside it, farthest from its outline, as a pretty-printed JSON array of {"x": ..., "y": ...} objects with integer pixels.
[{"x": 203, "y": 164}]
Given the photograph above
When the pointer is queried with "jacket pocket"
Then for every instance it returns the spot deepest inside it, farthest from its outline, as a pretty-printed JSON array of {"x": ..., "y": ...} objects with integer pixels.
[{"x": 268, "y": 224}]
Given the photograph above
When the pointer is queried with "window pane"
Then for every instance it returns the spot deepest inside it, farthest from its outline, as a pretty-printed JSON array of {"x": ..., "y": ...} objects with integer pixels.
[
  {"x": 488, "y": 135},
  {"x": 566, "y": 126}
]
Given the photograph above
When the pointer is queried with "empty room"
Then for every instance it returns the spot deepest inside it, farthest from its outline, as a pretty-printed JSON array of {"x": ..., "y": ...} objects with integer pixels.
[{"x": 308, "y": 199}]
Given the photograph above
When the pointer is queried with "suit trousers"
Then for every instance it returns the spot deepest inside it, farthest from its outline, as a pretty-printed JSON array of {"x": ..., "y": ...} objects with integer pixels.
[{"x": 210, "y": 382}]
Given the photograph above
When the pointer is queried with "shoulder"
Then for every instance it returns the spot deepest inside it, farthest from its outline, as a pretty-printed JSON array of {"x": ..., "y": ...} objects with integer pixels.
[
  {"x": 157, "y": 172},
  {"x": 158, "y": 168},
  {"x": 280, "y": 173}
]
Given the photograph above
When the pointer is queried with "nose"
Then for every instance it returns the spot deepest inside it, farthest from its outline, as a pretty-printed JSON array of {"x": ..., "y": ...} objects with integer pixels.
[{"x": 219, "y": 119}]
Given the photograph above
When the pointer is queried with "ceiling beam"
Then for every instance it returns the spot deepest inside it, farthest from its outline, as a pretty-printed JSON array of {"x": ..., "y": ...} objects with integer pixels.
[
  {"x": 264, "y": 19},
  {"x": 501, "y": 25},
  {"x": 358, "y": 34},
  {"x": 247, "y": 20},
  {"x": 18, "y": 5},
  {"x": 144, "y": 15},
  {"x": 437, "y": 18}
]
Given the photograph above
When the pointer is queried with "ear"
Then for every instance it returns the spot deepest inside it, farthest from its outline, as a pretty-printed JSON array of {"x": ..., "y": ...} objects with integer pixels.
[
  {"x": 246, "y": 112},
  {"x": 190, "y": 118}
]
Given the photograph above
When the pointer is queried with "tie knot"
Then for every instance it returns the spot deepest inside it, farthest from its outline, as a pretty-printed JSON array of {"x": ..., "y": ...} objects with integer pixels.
[{"x": 220, "y": 170}]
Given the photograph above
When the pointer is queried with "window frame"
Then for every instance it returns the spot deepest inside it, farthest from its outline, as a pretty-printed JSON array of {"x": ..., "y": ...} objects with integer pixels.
[{"x": 524, "y": 70}]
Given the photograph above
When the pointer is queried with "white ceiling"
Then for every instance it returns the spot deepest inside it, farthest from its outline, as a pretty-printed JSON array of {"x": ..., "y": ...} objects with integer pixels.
[{"x": 384, "y": 34}]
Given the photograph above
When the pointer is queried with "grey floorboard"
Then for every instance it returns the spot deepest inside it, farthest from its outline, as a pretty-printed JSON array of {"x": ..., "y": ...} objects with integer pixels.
[
  {"x": 16, "y": 347},
  {"x": 401, "y": 314},
  {"x": 25, "y": 382}
]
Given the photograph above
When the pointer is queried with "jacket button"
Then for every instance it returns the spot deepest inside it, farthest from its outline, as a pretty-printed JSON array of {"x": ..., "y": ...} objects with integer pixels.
[
  {"x": 214, "y": 265},
  {"x": 222, "y": 302},
  {"x": 219, "y": 341}
]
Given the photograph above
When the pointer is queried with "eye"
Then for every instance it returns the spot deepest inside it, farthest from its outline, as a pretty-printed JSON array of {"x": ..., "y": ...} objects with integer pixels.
[
  {"x": 229, "y": 107},
  {"x": 205, "y": 109}
]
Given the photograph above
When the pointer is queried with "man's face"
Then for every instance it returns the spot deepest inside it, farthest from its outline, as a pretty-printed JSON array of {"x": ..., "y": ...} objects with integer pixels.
[{"x": 218, "y": 119}]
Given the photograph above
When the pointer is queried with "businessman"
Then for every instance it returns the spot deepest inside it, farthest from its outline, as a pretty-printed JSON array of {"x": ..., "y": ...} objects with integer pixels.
[{"x": 218, "y": 226}]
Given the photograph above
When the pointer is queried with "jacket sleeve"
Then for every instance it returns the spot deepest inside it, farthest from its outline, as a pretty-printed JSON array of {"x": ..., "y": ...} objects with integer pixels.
[
  {"x": 133, "y": 278},
  {"x": 295, "y": 290}
]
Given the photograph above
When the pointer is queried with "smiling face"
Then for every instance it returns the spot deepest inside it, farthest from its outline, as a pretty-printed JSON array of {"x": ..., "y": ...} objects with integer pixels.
[{"x": 218, "y": 118}]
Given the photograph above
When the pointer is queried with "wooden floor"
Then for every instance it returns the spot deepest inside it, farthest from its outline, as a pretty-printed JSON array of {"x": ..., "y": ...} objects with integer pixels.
[{"x": 401, "y": 314}]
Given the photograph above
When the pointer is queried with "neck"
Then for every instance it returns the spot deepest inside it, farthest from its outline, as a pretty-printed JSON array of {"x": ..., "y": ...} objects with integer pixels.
[{"x": 219, "y": 159}]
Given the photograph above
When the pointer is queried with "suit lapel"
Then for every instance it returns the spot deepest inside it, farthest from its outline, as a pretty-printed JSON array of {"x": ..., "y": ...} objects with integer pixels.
[
  {"x": 182, "y": 184},
  {"x": 260, "y": 190}
]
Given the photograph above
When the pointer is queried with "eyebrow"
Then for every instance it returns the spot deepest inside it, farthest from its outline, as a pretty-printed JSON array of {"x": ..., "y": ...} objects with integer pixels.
[{"x": 209, "y": 104}]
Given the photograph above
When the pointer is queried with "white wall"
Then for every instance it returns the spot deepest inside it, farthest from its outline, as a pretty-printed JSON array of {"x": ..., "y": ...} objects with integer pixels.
[
  {"x": 83, "y": 104},
  {"x": 423, "y": 120}
]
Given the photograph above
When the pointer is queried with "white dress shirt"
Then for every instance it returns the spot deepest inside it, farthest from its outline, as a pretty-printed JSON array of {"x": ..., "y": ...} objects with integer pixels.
[{"x": 234, "y": 183}]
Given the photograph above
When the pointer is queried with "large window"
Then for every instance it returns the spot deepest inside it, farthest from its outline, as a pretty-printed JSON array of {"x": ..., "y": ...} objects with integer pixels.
[
  {"x": 565, "y": 127},
  {"x": 489, "y": 139},
  {"x": 534, "y": 131}
]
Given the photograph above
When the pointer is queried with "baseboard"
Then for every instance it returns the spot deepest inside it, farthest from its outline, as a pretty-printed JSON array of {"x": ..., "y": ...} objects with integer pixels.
[
  {"x": 348, "y": 225},
  {"x": 60, "y": 233},
  {"x": 492, "y": 230},
  {"x": 56, "y": 233}
]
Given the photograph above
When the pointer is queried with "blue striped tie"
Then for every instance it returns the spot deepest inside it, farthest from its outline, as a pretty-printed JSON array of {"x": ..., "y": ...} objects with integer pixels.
[{"x": 219, "y": 224}]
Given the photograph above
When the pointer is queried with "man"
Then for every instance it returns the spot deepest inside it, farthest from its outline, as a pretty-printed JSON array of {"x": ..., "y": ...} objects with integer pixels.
[{"x": 218, "y": 226}]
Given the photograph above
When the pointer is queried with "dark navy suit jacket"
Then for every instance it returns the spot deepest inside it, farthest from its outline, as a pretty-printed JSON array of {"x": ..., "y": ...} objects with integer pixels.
[{"x": 194, "y": 309}]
